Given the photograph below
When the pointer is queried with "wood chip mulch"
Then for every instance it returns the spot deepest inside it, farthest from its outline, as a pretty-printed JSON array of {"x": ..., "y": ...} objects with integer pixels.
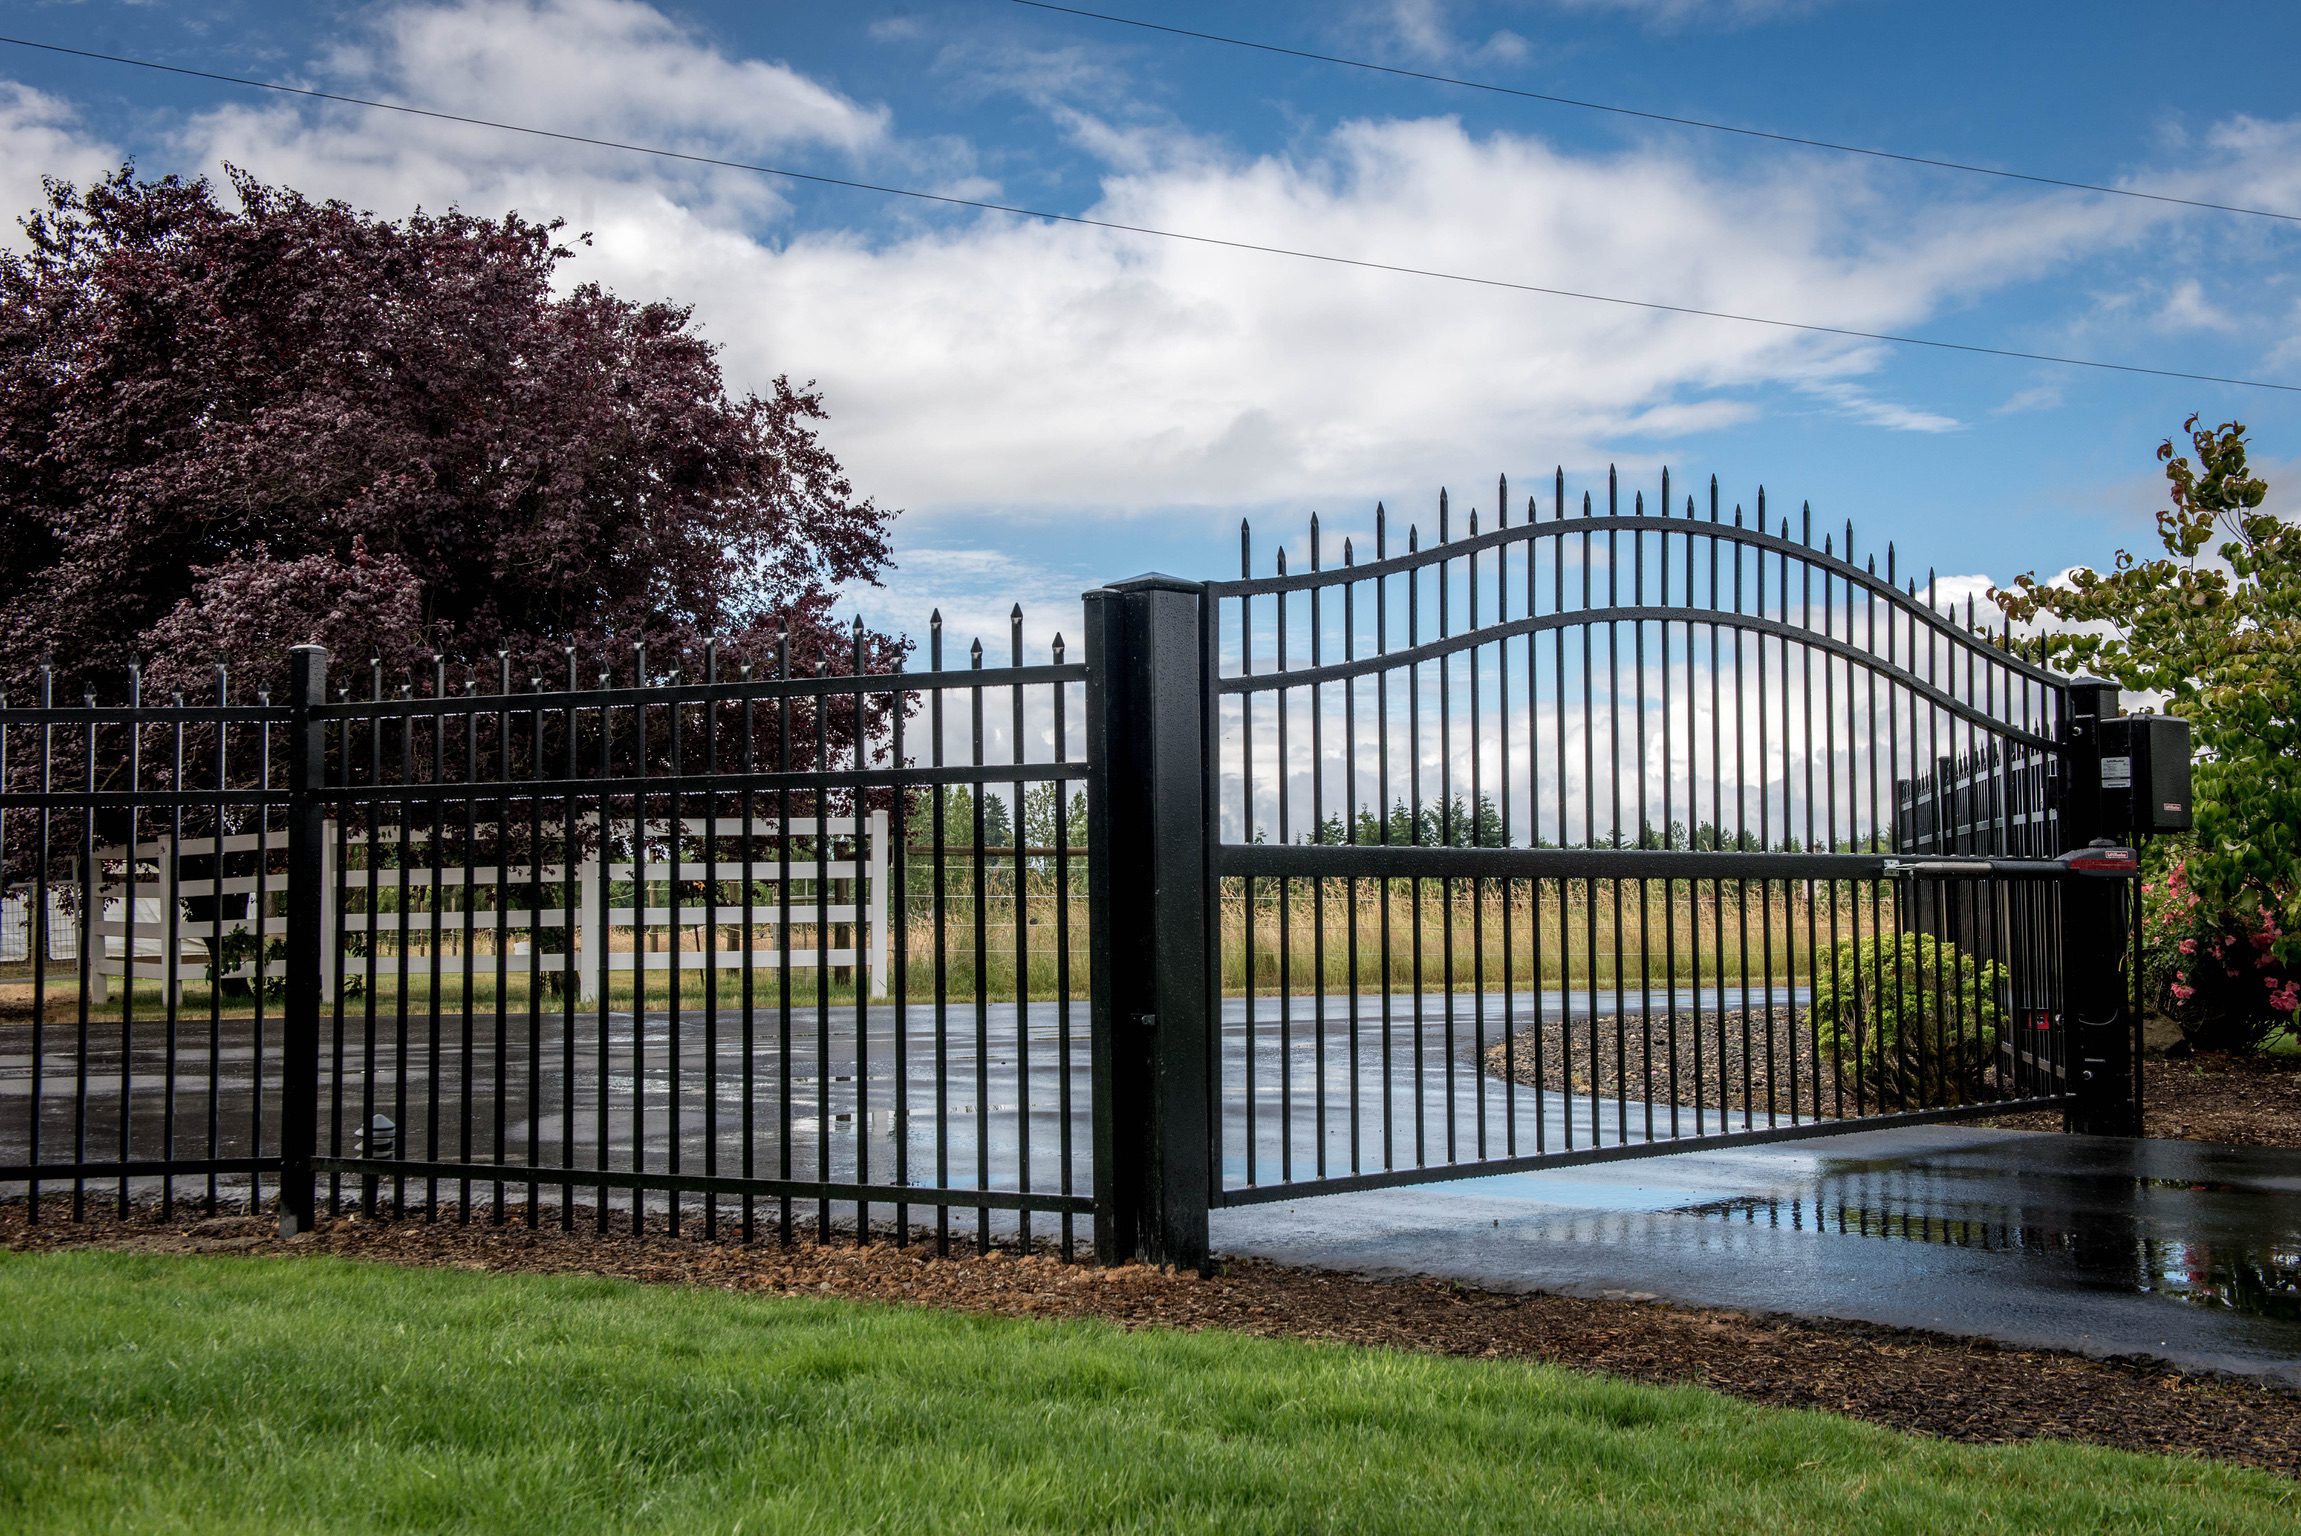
[
  {"x": 1958, "y": 1389},
  {"x": 2234, "y": 1101}
]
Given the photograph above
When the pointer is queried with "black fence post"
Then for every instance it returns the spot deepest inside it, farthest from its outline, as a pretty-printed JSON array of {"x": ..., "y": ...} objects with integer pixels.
[
  {"x": 1150, "y": 916},
  {"x": 300, "y": 1038},
  {"x": 2098, "y": 984}
]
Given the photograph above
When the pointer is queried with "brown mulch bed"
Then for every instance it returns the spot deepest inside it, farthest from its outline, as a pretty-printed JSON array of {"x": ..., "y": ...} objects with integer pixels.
[
  {"x": 1645, "y": 1050},
  {"x": 2236, "y": 1101},
  {"x": 1958, "y": 1389}
]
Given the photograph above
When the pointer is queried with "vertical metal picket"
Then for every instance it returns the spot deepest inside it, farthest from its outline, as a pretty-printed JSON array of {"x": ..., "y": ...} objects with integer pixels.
[{"x": 300, "y": 1017}]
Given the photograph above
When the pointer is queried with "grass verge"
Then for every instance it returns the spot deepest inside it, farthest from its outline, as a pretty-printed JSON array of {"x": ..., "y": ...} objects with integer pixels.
[{"x": 160, "y": 1392}]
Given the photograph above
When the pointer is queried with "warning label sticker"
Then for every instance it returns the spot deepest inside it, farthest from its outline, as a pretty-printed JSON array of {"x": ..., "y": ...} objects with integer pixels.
[{"x": 2117, "y": 773}]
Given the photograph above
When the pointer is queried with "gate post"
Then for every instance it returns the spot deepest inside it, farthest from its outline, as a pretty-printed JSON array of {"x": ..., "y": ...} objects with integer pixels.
[
  {"x": 2100, "y": 1023},
  {"x": 300, "y": 1015},
  {"x": 1150, "y": 912}
]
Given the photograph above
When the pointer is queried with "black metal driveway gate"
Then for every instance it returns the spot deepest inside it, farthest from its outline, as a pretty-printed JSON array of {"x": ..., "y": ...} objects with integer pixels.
[
  {"x": 1582, "y": 837},
  {"x": 1587, "y": 835}
]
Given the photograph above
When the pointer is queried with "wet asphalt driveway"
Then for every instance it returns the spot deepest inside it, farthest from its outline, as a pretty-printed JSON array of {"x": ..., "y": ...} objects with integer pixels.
[{"x": 2173, "y": 1250}]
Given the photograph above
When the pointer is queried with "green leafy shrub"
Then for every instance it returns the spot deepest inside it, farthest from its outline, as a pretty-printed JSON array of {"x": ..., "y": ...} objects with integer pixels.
[
  {"x": 2211, "y": 630},
  {"x": 1911, "y": 1017},
  {"x": 240, "y": 947}
]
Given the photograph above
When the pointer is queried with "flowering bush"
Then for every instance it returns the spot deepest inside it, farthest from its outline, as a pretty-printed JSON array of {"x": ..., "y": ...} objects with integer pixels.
[{"x": 2214, "y": 968}]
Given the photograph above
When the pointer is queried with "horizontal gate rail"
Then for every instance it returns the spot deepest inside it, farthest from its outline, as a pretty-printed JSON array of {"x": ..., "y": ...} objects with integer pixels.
[
  {"x": 1409, "y": 861},
  {"x": 649, "y": 1182},
  {"x": 1404, "y": 1178}
]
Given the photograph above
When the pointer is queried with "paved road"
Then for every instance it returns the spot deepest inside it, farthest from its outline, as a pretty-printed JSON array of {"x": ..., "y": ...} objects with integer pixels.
[{"x": 854, "y": 1096}]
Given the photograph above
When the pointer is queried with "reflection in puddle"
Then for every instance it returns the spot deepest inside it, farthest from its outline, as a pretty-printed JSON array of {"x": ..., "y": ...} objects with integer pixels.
[{"x": 2262, "y": 1279}]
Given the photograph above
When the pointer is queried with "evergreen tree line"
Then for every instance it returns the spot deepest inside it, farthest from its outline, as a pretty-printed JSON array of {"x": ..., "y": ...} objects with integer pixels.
[{"x": 1457, "y": 825}]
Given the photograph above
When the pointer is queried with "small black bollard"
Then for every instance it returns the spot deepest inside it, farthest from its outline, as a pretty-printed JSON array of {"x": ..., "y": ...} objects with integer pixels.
[{"x": 380, "y": 1139}]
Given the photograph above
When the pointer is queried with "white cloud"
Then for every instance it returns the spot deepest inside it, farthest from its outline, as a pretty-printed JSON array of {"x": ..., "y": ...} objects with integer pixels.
[
  {"x": 2248, "y": 162},
  {"x": 40, "y": 135},
  {"x": 1064, "y": 372},
  {"x": 1858, "y": 404},
  {"x": 1022, "y": 364},
  {"x": 1429, "y": 30},
  {"x": 1671, "y": 15},
  {"x": 975, "y": 591},
  {"x": 1005, "y": 363},
  {"x": 609, "y": 69},
  {"x": 615, "y": 67},
  {"x": 2187, "y": 309},
  {"x": 1426, "y": 30},
  {"x": 2038, "y": 397}
]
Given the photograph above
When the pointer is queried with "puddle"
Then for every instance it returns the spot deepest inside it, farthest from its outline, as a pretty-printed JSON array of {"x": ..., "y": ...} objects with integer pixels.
[{"x": 2260, "y": 1278}]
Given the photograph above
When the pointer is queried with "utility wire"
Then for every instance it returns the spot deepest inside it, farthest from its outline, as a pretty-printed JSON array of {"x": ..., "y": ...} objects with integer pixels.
[
  {"x": 1327, "y": 258},
  {"x": 1653, "y": 117}
]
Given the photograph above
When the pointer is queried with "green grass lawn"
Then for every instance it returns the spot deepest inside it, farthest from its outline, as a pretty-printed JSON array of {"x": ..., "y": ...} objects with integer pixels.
[{"x": 147, "y": 1393}]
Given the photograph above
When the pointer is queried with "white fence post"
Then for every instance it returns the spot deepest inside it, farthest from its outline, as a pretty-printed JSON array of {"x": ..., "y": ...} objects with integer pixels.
[
  {"x": 590, "y": 941},
  {"x": 878, "y": 906},
  {"x": 330, "y": 957}
]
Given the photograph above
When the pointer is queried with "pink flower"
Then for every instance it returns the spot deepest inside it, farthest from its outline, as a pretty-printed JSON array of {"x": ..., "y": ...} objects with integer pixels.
[
  {"x": 2189, "y": 946},
  {"x": 2182, "y": 994},
  {"x": 2286, "y": 999}
]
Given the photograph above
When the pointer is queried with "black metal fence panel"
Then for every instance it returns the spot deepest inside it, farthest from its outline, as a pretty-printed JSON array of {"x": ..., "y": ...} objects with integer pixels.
[
  {"x": 1576, "y": 837},
  {"x": 128, "y": 1064},
  {"x": 777, "y": 951}
]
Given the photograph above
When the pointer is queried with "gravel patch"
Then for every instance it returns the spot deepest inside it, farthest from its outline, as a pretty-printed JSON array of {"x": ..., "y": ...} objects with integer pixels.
[{"x": 1742, "y": 1059}]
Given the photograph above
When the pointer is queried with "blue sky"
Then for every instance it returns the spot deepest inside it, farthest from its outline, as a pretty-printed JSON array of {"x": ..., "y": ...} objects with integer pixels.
[{"x": 1055, "y": 407}]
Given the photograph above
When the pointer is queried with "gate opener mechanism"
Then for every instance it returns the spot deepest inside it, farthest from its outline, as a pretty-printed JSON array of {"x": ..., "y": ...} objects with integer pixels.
[{"x": 2096, "y": 907}]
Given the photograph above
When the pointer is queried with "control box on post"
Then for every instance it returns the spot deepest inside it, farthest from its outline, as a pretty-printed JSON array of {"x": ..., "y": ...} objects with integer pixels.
[
  {"x": 2145, "y": 775},
  {"x": 2100, "y": 1015}
]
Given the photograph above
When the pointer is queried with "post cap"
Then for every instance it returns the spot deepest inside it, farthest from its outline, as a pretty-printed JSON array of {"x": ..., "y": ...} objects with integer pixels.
[{"x": 1153, "y": 581}]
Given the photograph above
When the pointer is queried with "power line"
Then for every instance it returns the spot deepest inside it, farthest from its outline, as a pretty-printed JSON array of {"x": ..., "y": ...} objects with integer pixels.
[
  {"x": 1655, "y": 117},
  {"x": 1325, "y": 257}
]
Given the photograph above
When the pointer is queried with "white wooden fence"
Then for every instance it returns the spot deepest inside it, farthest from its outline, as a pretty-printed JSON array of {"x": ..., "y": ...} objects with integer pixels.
[{"x": 845, "y": 899}]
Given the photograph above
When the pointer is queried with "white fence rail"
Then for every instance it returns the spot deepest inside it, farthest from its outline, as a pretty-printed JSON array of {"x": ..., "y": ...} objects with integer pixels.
[{"x": 437, "y": 917}]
